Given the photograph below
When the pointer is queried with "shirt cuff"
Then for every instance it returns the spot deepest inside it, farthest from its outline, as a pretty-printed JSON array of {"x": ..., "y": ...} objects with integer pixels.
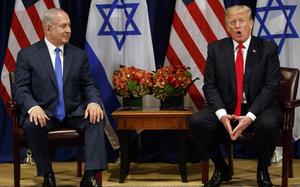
[
  {"x": 251, "y": 115},
  {"x": 220, "y": 113},
  {"x": 95, "y": 104},
  {"x": 32, "y": 108}
]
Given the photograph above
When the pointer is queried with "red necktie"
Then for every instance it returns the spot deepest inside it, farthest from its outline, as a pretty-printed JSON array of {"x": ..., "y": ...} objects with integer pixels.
[{"x": 239, "y": 72}]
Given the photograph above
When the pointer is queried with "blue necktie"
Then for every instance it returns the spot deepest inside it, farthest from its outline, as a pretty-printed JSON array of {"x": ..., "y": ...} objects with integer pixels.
[{"x": 60, "y": 108}]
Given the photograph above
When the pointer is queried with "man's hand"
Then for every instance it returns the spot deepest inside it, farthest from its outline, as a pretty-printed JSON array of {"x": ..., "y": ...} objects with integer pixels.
[
  {"x": 244, "y": 122},
  {"x": 38, "y": 116},
  {"x": 94, "y": 111},
  {"x": 225, "y": 120}
]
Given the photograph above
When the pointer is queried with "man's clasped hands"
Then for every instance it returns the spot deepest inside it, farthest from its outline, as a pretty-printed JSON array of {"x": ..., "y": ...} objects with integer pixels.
[{"x": 239, "y": 123}]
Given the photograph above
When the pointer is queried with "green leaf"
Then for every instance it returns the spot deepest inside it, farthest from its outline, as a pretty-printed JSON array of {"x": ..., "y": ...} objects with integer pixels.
[
  {"x": 169, "y": 90},
  {"x": 132, "y": 85},
  {"x": 189, "y": 74}
]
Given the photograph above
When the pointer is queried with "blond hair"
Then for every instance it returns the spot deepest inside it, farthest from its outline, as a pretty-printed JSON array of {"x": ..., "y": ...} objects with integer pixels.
[{"x": 236, "y": 9}]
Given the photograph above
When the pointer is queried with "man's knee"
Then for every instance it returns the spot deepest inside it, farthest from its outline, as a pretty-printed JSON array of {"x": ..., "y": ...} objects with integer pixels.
[
  {"x": 270, "y": 120},
  {"x": 99, "y": 126},
  {"x": 196, "y": 122},
  {"x": 30, "y": 127},
  {"x": 193, "y": 122}
]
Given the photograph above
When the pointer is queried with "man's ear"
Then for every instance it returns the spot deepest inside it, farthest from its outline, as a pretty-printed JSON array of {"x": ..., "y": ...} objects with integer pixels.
[
  {"x": 251, "y": 23},
  {"x": 47, "y": 28},
  {"x": 227, "y": 28}
]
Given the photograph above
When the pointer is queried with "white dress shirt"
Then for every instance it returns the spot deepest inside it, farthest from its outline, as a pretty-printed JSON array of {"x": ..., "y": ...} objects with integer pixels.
[{"x": 221, "y": 112}]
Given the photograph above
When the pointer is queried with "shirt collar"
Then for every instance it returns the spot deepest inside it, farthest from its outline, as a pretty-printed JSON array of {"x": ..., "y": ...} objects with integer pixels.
[
  {"x": 51, "y": 47},
  {"x": 246, "y": 43}
]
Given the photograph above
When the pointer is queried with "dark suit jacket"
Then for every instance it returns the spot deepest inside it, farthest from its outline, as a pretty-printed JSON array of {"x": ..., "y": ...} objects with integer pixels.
[
  {"x": 35, "y": 82},
  {"x": 261, "y": 78}
]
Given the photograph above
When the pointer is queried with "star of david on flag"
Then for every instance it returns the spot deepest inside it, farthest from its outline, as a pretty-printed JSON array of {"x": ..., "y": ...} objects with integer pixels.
[
  {"x": 118, "y": 33},
  {"x": 277, "y": 20},
  {"x": 112, "y": 26},
  {"x": 268, "y": 17}
]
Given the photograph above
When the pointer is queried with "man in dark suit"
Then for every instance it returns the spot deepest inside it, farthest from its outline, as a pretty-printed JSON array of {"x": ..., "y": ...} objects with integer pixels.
[
  {"x": 241, "y": 78},
  {"x": 54, "y": 88}
]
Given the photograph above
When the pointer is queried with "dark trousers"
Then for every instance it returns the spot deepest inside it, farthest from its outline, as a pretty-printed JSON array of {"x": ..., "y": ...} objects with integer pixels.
[
  {"x": 95, "y": 151},
  {"x": 207, "y": 130}
]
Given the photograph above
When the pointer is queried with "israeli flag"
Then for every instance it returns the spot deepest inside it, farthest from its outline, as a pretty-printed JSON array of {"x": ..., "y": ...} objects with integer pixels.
[
  {"x": 118, "y": 33},
  {"x": 278, "y": 21}
]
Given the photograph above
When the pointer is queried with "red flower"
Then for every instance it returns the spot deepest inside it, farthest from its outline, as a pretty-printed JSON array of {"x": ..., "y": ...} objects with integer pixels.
[
  {"x": 132, "y": 82},
  {"x": 176, "y": 83},
  {"x": 171, "y": 81}
]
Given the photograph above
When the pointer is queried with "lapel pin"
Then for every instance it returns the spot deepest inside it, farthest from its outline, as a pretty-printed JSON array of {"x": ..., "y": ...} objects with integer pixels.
[{"x": 254, "y": 51}]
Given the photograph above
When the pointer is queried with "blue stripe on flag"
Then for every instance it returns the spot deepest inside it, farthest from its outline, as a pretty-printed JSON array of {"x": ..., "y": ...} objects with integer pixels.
[
  {"x": 108, "y": 95},
  {"x": 28, "y": 3}
]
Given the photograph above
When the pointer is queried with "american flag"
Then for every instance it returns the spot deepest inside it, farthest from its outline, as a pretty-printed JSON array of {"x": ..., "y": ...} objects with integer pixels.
[
  {"x": 195, "y": 24},
  {"x": 26, "y": 29}
]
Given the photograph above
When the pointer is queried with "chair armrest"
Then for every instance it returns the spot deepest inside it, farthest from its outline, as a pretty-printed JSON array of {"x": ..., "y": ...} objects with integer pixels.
[
  {"x": 14, "y": 112},
  {"x": 12, "y": 105},
  {"x": 13, "y": 109},
  {"x": 288, "y": 114},
  {"x": 290, "y": 104}
]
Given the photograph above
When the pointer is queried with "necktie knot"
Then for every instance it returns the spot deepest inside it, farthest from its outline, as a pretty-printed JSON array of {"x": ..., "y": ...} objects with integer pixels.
[
  {"x": 241, "y": 46},
  {"x": 57, "y": 50}
]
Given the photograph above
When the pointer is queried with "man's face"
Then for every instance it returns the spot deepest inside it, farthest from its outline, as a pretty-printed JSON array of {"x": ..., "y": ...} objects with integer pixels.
[
  {"x": 239, "y": 26},
  {"x": 60, "y": 31}
]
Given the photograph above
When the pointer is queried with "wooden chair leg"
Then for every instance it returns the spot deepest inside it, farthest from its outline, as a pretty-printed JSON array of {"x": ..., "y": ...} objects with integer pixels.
[
  {"x": 290, "y": 158},
  {"x": 285, "y": 167},
  {"x": 229, "y": 149},
  {"x": 204, "y": 170},
  {"x": 16, "y": 158},
  {"x": 99, "y": 178},
  {"x": 291, "y": 171},
  {"x": 288, "y": 152},
  {"x": 79, "y": 162}
]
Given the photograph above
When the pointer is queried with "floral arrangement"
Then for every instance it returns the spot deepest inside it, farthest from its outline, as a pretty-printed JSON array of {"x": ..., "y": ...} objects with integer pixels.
[
  {"x": 171, "y": 81},
  {"x": 132, "y": 82}
]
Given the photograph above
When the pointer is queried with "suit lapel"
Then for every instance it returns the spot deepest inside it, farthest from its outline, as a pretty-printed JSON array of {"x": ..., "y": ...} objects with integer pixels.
[
  {"x": 250, "y": 59},
  {"x": 68, "y": 54},
  {"x": 229, "y": 55},
  {"x": 46, "y": 60}
]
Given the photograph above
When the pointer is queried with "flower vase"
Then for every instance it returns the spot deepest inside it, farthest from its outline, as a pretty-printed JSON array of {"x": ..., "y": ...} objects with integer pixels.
[
  {"x": 172, "y": 102},
  {"x": 132, "y": 101}
]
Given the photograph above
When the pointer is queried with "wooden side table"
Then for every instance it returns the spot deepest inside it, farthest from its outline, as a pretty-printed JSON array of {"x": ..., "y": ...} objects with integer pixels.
[{"x": 151, "y": 118}]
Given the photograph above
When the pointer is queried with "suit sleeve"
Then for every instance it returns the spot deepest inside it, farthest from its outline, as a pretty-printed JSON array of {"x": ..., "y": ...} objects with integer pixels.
[
  {"x": 210, "y": 89},
  {"x": 90, "y": 91},
  {"x": 270, "y": 87},
  {"x": 22, "y": 86}
]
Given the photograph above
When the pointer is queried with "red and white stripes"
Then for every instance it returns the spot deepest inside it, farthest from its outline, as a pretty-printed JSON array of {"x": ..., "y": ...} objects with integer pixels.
[
  {"x": 26, "y": 29},
  {"x": 195, "y": 24}
]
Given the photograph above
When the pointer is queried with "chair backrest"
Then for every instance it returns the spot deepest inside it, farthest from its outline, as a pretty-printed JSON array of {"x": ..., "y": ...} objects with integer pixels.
[
  {"x": 12, "y": 84},
  {"x": 288, "y": 84}
]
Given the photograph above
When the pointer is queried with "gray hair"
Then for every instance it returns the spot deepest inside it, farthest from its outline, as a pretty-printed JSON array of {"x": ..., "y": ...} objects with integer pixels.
[
  {"x": 50, "y": 15},
  {"x": 237, "y": 8}
]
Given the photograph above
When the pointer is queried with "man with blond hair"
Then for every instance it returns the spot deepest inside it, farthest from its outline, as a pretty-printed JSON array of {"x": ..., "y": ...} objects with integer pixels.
[{"x": 241, "y": 78}]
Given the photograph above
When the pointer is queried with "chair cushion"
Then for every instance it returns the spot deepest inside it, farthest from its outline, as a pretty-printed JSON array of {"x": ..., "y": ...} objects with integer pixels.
[{"x": 59, "y": 137}]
